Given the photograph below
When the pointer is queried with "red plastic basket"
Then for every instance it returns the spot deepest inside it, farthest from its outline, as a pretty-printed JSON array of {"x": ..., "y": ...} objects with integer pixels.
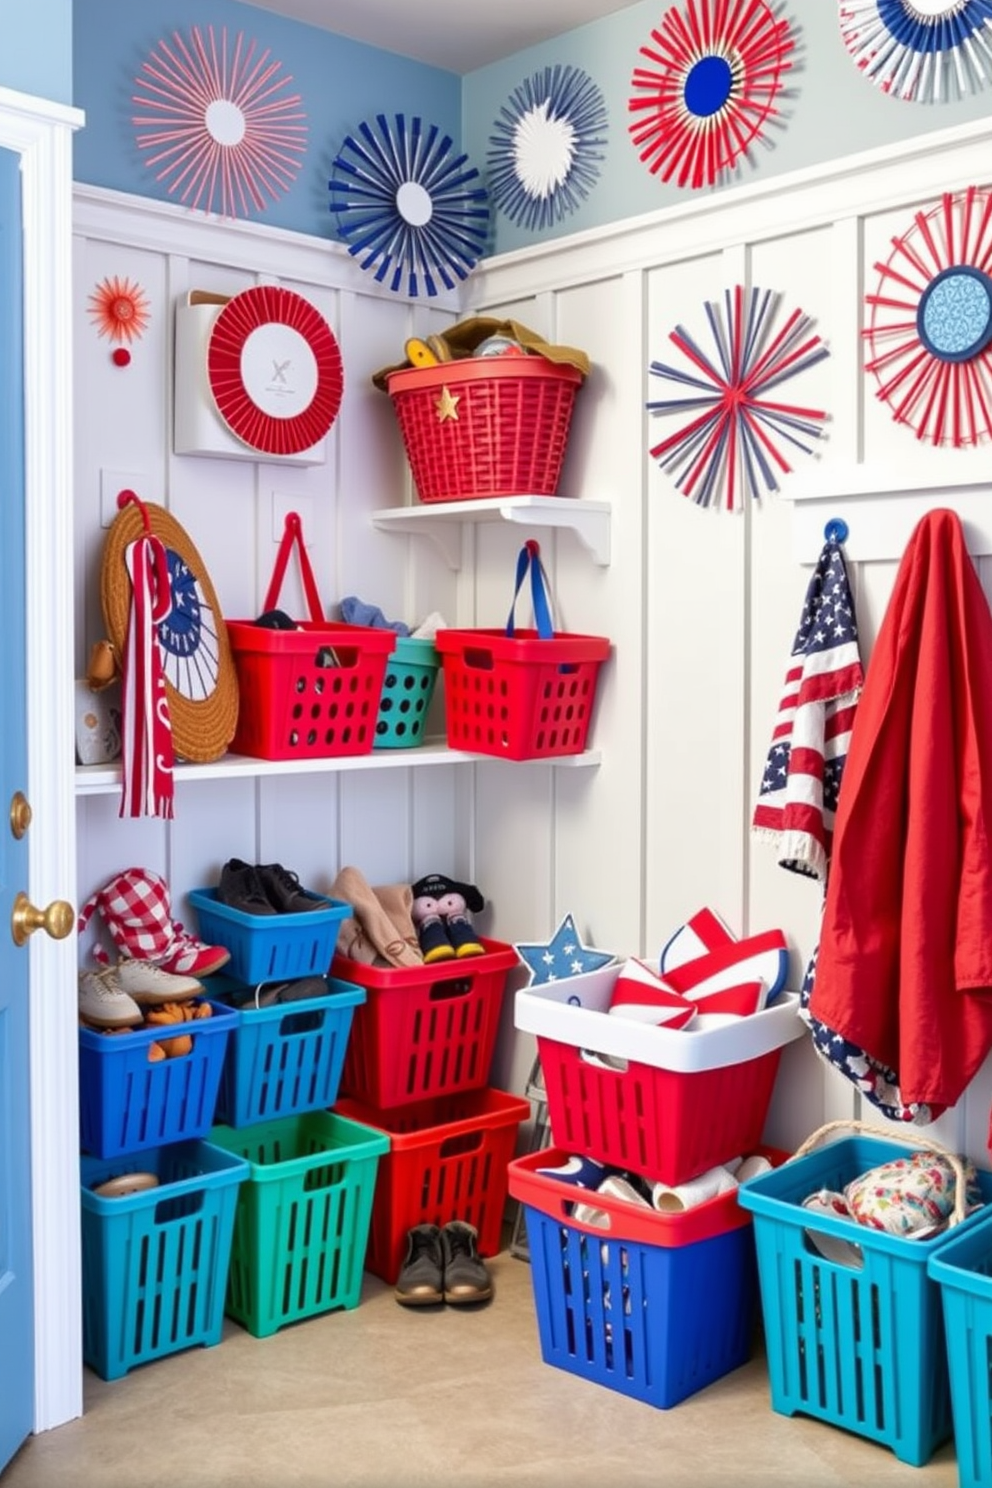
[
  {"x": 520, "y": 697},
  {"x": 310, "y": 693},
  {"x": 668, "y": 1125},
  {"x": 426, "y": 1031},
  {"x": 485, "y": 426},
  {"x": 447, "y": 1159}
]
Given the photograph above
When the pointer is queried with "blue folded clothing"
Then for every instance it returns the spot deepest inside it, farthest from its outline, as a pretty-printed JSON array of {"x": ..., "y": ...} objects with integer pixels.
[{"x": 355, "y": 611}]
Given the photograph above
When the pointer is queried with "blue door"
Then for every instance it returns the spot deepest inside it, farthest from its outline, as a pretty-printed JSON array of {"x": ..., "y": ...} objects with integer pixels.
[{"x": 16, "y": 1291}]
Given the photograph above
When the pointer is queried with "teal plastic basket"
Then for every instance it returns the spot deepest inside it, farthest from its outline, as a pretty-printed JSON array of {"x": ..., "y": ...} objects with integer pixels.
[
  {"x": 303, "y": 1216},
  {"x": 155, "y": 1263},
  {"x": 962, "y": 1268},
  {"x": 287, "y": 1058},
  {"x": 856, "y": 1340},
  {"x": 407, "y": 691}
]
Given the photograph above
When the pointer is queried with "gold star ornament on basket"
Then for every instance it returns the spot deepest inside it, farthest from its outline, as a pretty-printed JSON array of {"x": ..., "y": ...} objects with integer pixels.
[{"x": 447, "y": 405}]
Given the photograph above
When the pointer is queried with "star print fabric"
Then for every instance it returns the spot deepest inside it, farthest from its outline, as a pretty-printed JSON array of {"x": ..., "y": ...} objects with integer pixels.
[
  {"x": 562, "y": 956},
  {"x": 801, "y": 781}
]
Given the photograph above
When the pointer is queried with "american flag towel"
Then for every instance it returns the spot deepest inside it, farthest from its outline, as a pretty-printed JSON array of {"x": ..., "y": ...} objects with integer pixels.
[{"x": 798, "y": 797}]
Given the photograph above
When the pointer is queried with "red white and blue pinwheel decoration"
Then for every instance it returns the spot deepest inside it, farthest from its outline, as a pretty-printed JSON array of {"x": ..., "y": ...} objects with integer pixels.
[
  {"x": 926, "y": 51},
  {"x": 929, "y": 328},
  {"x": 547, "y": 146},
  {"x": 217, "y": 123},
  {"x": 409, "y": 207},
  {"x": 716, "y": 73},
  {"x": 735, "y": 431}
]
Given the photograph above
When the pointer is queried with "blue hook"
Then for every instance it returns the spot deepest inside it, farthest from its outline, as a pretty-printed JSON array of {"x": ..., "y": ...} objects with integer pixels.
[{"x": 836, "y": 530}]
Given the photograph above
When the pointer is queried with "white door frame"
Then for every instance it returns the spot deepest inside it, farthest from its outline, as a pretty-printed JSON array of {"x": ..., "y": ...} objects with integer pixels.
[{"x": 40, "y": 132}]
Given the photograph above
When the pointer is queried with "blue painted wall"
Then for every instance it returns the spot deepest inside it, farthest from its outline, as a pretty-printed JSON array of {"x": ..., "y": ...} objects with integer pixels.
[
  {"x": 830, "y": 110},
  {"x": 36, "y": 53},
  {"x": 341, "y": 83}
]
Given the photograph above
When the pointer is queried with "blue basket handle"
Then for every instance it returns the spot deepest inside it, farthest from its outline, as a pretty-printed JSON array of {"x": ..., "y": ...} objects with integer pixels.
[{"x": 530, "y": 557}]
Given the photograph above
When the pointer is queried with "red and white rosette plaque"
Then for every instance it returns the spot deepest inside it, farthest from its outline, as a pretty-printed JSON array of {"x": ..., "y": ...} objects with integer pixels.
[{"x": 275, "y": 370}]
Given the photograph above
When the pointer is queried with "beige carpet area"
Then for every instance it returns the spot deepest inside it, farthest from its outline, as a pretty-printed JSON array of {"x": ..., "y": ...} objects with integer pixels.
[{"x": 383, "y": 1395}]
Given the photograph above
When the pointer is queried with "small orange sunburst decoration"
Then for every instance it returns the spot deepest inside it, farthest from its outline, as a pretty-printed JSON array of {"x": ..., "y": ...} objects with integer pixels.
[{"x": 119, "y": 309}]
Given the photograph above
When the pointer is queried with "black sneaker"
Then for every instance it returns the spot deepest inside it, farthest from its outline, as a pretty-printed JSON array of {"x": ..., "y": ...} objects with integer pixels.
[
  {"x": 241, "y": 888},
  {"x": 465, "y": 1276},
  {"x": 421, "y": 1278},
  {"x": 284, "y": 891}
]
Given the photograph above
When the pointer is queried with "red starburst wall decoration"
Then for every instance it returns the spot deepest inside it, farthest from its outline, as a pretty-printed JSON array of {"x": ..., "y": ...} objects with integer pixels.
[
  {"x": 218, "y": 124},
  {"x": 718, "y": 67},
  {"x": 119, "y": 309},
  {"x": 930, "y": 324},
  {"x": 736, "y": 435}
]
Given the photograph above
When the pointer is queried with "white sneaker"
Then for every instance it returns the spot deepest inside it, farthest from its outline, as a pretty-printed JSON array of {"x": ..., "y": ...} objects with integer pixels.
[
  {"x": 104, "y": 1003},
  {"x": 146, "y": 982}
]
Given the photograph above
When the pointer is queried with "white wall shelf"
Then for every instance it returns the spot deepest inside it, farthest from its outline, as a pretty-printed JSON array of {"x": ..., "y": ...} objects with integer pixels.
[
  {"x": 441, "y": 521},
  {"x": 101, "y": 780}
]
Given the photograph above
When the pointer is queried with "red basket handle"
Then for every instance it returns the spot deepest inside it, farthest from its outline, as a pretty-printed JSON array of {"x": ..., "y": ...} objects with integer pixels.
[
  {"x": 459, "y": 1144},
  {"x": 293, "y": 533}
]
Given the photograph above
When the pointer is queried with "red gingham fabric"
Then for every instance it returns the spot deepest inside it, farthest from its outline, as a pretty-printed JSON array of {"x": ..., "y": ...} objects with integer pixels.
[{"x": 135, "y": 909}]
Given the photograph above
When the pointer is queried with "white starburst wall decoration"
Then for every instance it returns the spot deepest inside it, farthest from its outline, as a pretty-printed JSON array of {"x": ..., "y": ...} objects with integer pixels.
[{"x": 547, "y": 146}]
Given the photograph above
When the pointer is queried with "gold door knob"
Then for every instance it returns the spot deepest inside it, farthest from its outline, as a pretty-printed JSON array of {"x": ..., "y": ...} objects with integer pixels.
[
  {"x": 25, "y": 918},
  {"x": 20, "y": 814}
]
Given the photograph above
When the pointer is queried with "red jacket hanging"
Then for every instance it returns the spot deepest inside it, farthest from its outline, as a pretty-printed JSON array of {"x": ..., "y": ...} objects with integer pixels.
[{"x": 905, "y": 958}]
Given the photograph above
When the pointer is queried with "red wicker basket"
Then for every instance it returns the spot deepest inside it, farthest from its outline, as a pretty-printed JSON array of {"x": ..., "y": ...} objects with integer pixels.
[{"x": 485, "y": 426}]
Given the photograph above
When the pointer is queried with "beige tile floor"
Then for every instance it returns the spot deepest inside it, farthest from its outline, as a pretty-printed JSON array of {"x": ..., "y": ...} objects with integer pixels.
[{"x": 383, "y": 1395}]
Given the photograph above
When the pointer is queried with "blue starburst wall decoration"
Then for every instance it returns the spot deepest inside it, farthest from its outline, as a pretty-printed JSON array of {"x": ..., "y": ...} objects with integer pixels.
[
  {"x": 408, "y": 206},
  {"x": 547, "y": 146},
  {"x": 562, "y": 956},
  {"x": 926, "y": 51}
]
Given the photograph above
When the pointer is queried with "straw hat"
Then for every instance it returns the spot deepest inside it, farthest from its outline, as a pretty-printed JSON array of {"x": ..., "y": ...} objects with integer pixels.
[{"x": 200, "y": 677}]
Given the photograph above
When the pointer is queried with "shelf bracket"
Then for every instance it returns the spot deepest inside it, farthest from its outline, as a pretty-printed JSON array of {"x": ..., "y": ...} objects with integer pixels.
[{"x": 442, "y": 521}]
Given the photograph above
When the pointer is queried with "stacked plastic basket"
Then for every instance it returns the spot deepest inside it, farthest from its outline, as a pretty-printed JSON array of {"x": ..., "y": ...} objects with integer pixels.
[
  {"x": 653, "y": 1304},
  {"x": 157, "y": 1200},
  {"x": 855, "y": 1317},
  {"x": 302, "y": 1220},
  {"x": 417, "y": 1069}
]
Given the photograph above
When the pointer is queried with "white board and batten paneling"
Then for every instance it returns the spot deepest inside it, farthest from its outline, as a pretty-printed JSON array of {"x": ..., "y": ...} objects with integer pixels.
[
  {"x": 393, "y": 823},
  {"x": 708, "y": 602},
  {"x": 701, "y": 605}
]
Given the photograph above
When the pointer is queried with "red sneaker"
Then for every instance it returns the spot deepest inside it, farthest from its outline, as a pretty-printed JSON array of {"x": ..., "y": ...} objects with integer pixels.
[{"x": 187, "y": 956}]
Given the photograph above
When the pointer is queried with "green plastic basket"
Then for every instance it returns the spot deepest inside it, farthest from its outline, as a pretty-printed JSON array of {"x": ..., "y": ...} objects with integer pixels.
[
  {"x": 302, "y": 1221},
  {"x": 407, "y": 690}
]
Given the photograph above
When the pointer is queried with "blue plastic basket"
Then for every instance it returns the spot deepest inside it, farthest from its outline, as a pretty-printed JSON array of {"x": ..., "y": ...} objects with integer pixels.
[
  {"x": 155, "y": 1264},
  {"x": 128, "y": 1104},
  {"x": 267, "y": 948},
  {"x": 287, "y": 1058},
  {"x": 407, "y": 690},
  {"x": 303, "y": 1217},
  {"x": 857, "y": 1345},
  {"x": 962, "y": 1268},
  {"x": 656, "y": 1306}
]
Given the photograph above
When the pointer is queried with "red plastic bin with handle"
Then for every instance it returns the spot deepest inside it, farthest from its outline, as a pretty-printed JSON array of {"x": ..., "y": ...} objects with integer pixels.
[
  {"x": 447, "y": 1159},
  {"x": 424, "y": 1031},
  {"x": 521, "y": 694},
  {"x": 312, "y": 692}
]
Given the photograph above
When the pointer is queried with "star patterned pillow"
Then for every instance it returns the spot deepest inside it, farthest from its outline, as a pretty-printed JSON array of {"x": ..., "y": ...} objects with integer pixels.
[{"x": 562, "y": 956}]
